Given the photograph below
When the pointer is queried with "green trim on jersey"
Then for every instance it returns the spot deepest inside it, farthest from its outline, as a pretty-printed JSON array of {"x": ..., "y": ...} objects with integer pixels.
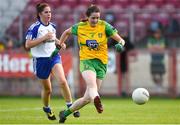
[
  {"x": 74, "y": 28},
  {"x": 109, "y": 29}
]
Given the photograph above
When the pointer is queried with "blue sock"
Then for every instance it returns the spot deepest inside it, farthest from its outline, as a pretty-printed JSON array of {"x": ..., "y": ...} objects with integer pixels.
[
  {"x": 47, "y": 109},
  {"x": 68, "y": 104}
]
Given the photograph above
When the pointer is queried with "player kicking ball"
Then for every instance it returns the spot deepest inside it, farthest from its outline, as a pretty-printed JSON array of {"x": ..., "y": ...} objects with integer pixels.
[{"x": 92, "y": 36}]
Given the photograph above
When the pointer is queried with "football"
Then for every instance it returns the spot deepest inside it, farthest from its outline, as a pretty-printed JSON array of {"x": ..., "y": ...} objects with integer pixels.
[{"x": 140, "y": 96}]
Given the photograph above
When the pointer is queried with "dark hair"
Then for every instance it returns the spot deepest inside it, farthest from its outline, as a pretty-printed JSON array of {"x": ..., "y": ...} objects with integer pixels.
[
  {"x": 40, "y": 7},
  {"x": 91, "y": 9}
]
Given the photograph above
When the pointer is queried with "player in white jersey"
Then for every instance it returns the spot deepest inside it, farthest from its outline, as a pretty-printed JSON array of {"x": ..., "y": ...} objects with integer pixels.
[{"x": 41, "y": 39}]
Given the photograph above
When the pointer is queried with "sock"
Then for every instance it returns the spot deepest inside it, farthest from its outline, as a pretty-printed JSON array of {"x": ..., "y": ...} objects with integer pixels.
[
  {"x": 68, "y": 104},
  {"x": 67, "y": 112},
  {"x": 47, "y": 109}
]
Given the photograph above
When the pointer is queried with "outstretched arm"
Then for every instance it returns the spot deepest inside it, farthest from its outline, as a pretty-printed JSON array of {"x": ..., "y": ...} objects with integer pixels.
[
  {"x": 60, "y": 43},
  {"x": 120, "y": 45},
  {"x": 64, "y": 36},
  {"x": 117, "y": 38}
]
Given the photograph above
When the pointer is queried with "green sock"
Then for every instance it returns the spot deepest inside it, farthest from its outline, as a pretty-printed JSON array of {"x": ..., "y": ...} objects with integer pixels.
[{"x": 67, "y": 112}]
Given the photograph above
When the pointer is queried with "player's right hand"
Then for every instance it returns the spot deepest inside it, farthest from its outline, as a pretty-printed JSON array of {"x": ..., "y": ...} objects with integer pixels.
[{"x": 49, "y": 36}]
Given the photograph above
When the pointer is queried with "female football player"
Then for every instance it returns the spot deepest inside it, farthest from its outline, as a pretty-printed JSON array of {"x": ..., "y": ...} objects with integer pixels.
[
  {"x": 92, "y": 36},
  {"x": 40, "y": 39}
]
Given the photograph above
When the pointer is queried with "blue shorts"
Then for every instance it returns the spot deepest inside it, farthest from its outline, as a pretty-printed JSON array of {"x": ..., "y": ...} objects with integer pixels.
[{"x": 43, "y": 65}]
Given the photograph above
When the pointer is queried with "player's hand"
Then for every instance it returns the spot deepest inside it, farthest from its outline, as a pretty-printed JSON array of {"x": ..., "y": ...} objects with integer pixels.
[
  {"x": 119, "y": 47},
  {"x": 49, "y": 36},
  {"x": 63, "y": 46},
  {"x": 58, "y": 46}
]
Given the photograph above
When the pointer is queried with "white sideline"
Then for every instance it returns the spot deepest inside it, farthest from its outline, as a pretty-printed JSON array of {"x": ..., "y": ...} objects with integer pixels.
[{"x": 24, "y": 109}]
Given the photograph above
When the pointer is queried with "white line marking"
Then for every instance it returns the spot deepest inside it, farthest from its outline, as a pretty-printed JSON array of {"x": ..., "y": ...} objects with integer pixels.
[{"x": 25, "y": 109}]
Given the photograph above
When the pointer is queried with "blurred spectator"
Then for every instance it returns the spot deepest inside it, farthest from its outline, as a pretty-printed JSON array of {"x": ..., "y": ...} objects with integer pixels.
[
  {"x": 10, "y": 45},
  {"x": 110, "y": 18},
  {"x": 155, "y": 25},
  {"x": 173, "y": 26},
  {"x": 156, "y": 45},
  {"x": 123, "y": 60},
  {"x": 2, "y": 46},
  {"x": 124, "y": 64}
]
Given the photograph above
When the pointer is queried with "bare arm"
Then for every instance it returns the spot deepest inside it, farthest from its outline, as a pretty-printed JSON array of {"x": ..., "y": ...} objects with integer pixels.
[
  {"x": 60, "y": 43},
  {"x": 118, "y": 39},
  {"x": 32, "y": 43}
]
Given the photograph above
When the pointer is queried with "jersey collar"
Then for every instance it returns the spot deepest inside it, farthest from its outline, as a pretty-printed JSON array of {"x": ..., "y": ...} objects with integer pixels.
[{"x": 43, "y": 23}]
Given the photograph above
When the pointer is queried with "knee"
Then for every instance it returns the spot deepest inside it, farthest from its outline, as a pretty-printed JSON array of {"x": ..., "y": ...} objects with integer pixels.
[
  {"x": 91, "y": 99},
  {"x": 48, "y": 91},
  {"x": 86, "y": 100},
  {"x": 63, "y": 82}
]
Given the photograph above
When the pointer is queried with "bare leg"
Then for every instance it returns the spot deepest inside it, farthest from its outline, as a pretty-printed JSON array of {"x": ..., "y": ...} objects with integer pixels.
[
  {"x": 46, "y": 95},
  {"x": 81, "y": 102},
  {"x": 91, "y": 94},
  {"x": 58, "y": 72},
  {"x": 99, "y": 82},
  {"x": 91, "y": 90},
  {"x": 90, "y": 79},
  {"x": 46, "y": 92}
]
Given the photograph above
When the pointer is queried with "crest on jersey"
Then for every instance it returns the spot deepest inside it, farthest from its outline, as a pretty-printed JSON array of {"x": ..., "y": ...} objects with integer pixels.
[{"x": 100, "y": 35}]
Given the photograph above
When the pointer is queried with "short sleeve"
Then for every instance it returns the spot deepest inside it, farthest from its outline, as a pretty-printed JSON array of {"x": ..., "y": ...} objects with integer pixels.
[
  {"x": 109, "y": 29},
  {"x": 29, "y": 35},
  {"x": 74, "y": 29},
  {"x": 32, "y": 32}
]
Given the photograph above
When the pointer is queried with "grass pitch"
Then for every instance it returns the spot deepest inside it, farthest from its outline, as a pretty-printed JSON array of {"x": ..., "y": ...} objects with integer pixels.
[{"x": 28, "y": 110}]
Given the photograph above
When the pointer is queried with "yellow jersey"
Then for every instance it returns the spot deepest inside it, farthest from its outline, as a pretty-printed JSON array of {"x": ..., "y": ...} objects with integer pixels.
[{"x": 93, "y": 40}]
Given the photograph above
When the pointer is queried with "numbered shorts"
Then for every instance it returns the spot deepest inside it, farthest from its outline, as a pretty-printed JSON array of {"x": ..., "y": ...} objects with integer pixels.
[
  {"x": 43, "y": 65},
  {"x": 94, "y": 65}
]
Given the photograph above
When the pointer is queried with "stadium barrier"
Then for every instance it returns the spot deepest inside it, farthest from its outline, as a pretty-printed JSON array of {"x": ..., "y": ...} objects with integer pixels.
[{"x": 16, "y": 74}]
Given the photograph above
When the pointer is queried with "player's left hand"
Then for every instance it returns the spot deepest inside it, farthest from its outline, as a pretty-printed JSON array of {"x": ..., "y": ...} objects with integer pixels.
[
  {"x": 119, "y": 47},
  {"x": 58, "y": 46},
  {"x": 63, "y": 46}
]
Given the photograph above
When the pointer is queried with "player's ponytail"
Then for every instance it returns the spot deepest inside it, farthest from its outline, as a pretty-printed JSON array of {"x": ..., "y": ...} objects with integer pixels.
[{"x": 84, "y": 19}]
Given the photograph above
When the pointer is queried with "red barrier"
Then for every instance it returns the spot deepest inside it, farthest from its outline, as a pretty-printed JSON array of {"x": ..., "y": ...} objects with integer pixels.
[
  {"x": 20, "y": 65},
  {"x": 15, "y": 65}
]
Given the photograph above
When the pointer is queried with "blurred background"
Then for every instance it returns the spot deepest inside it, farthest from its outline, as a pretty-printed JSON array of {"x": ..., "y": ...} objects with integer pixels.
[{"x": 151, "y": 29}]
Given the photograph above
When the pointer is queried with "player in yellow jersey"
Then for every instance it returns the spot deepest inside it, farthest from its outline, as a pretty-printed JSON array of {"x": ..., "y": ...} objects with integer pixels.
[{"x": 92, "y": 39}]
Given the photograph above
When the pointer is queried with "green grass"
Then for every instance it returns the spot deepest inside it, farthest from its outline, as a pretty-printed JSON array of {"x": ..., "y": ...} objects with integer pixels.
[{"x": 28, "y": 110}]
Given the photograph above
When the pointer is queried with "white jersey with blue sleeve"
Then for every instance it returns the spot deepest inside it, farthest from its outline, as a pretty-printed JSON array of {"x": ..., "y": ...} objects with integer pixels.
[{"x": 38, "y": 30}]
